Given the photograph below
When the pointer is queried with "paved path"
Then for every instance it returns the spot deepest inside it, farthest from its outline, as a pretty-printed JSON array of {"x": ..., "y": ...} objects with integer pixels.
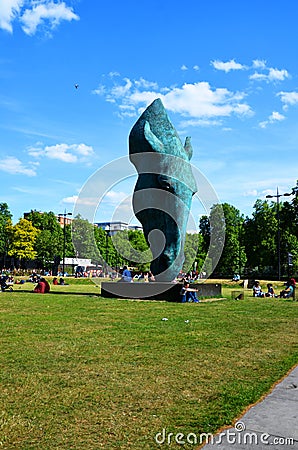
[{"x": 270, "y": 424}]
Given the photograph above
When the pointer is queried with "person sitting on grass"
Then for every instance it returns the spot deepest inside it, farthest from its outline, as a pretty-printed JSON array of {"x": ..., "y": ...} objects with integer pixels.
[
  {"x": 288, "y": 291},
  {"x": 42, "y": 287},
  {"x": 257, "y": 290},
  {"x": 270, "y": 292},
  {"x": 126, "y": 275},
  {"x": 188, "y": 294}
]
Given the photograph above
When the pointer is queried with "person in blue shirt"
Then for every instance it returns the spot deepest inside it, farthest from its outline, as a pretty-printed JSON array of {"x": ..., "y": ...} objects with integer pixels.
[
  {"x": 126, "y": 275},
  {"x": 288, "y": 292},
  {"x": 188, "y": 294}
]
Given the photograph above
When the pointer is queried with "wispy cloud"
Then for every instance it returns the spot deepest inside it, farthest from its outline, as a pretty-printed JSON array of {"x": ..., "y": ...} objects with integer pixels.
[
  {"x": 115, "y": 197},
  {"x": 228, "y": 65},
  {"x": 67, "y": 153},
  {"x": 9, "y": 10},
  {"x": 14, "y": 166},
  {"x": 33, "y": 15},
  {"x": 79, "y": 200},
  {"x": 288, "y": 98},
  {"x": 259, "y": 64},
  {"x": 274, "y": 117},
  {"x": 272, "y": 75}
]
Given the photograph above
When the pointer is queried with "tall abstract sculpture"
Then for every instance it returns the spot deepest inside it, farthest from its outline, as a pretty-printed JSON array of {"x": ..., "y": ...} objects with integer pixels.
[{"x": 164, "y": 189}]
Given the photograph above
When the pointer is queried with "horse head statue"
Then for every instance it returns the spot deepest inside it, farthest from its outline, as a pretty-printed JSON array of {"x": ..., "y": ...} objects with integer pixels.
[{"x": 164, "y": 189}]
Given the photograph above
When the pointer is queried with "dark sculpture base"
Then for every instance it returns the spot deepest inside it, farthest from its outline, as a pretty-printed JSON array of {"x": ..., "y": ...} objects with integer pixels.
[{"x": 169, "y": 292}]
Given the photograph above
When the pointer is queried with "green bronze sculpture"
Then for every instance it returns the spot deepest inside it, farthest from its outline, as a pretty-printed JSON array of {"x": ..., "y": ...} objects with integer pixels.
[{"x": 164, "y": 189}]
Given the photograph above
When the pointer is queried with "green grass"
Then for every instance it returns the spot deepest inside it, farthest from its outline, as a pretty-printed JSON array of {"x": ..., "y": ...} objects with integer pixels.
[{"x": 78, "y": 371}]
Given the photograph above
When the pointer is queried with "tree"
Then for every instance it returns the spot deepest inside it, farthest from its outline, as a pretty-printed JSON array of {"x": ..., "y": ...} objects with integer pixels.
[
  {"x": 221, "y": 238},
  {"x": 49, "y": 241},
  {"x": 83, "y": 238},
  {"x": 260, "y": 234},
  {"x": 5, "y": 225},
  {"x": 23, "y": 238},
  {"x": 192, "y": 250},
  {"x": 132, "y": 249}
]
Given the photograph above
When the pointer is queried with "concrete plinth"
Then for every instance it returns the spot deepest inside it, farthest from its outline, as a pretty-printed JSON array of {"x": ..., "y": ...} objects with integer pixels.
[{"x": 155, "y": 291}]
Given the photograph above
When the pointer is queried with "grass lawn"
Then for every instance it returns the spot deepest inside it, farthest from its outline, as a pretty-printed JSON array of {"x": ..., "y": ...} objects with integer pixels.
[{"x": 78, "y": 371}]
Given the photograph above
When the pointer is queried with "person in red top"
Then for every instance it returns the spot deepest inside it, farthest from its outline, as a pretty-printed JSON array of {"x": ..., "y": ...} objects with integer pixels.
[{"x": 42, "y": 287}]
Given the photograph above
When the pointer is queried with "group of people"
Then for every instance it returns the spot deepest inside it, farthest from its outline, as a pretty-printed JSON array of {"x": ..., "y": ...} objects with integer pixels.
[
  {"x": 127, "y": 277},
  {"x": 287, "y": 292},
  {"x": 187, "y": 293},
  {"x": 43, "y": 286}
]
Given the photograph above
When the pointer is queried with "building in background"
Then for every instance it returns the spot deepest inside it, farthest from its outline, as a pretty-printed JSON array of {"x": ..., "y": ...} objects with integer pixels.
[{"x": 114, "y": 227}]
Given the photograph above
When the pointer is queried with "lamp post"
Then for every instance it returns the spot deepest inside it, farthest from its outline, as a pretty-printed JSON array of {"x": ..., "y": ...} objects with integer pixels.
[
  {"x": 277, "y": 196},
  {"x": 107, "y": 230},
  {"x": 64, "y": 237}
]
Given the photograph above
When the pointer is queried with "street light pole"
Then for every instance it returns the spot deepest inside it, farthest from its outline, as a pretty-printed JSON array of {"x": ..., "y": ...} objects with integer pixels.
[
  {"x": 277, "y": 196},
  {"x": 107, "y": 230},
  {"x": 64, "y": 237}
]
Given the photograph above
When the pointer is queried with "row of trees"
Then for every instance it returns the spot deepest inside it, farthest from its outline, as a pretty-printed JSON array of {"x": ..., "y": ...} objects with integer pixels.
[{"x": 251, "y": 246}]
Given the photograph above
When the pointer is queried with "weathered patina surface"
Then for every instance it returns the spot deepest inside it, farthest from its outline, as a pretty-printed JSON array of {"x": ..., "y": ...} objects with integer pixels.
[{"x": 164, "y": 189}]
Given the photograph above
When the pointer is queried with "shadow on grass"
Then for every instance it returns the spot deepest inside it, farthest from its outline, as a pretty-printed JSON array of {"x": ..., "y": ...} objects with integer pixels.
[{"x": 48, "y": 294}]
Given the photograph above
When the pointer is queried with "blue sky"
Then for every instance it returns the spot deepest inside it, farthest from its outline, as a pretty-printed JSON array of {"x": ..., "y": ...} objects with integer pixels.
[{"x": 227, "y": 73}]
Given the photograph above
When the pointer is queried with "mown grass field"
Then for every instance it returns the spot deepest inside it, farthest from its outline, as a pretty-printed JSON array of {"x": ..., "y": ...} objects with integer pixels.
[{"x": 78, "y": 371}]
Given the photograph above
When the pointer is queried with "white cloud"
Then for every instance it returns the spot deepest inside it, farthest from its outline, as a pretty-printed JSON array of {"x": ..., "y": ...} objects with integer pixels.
[
  {"x": 54, "y": 13},
  {"x": 9, "y": 10},
  {"x": 227, "y": 66},
  {"x": 200, "y": 123},
  {"x": 259, "y": 64},
  {"x": 197, "y": 100},
  {"x": 288, "y": 98},
  {"x": 31, "y": 14},
  {"x": 79, "y": 200},
  {"x": 145, "y": 84},
  {"x": 120, "y": 90},
  {"x": 63, "y": 152},
  {"x": 115, "y": 197},
  {"x": 196, "y": 67},
  {"x": 272, "y": 75},
  {"x": 251, "y": 193},
  {"x": 114, "y": 74},
  {"x": 274, "y": 117},
  {"x": 71, "y": 199},
  {"x": 184, "y": 67},
  {"x": 201, "y": 101},
  {"x": 14, "y": 166},
  {"x": 100, "y": 90}
]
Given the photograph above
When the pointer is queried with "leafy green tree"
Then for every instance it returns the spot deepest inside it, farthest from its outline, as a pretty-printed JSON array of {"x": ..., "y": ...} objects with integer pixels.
[
  {"x": 260, "y": 239},
  {"x": 223, "y": 230},
  {"x": 204, "y": 227},
  {"x": 233, "y": 255},
  {"x": 49, "y": 241},
  {"x": 132, "y": 249},
  {"x": 83, "y": 238},
  {"x": 23, "y": 238},
  {"x": 5, "y": 225},
  {"x": 191, "y": 252}
]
